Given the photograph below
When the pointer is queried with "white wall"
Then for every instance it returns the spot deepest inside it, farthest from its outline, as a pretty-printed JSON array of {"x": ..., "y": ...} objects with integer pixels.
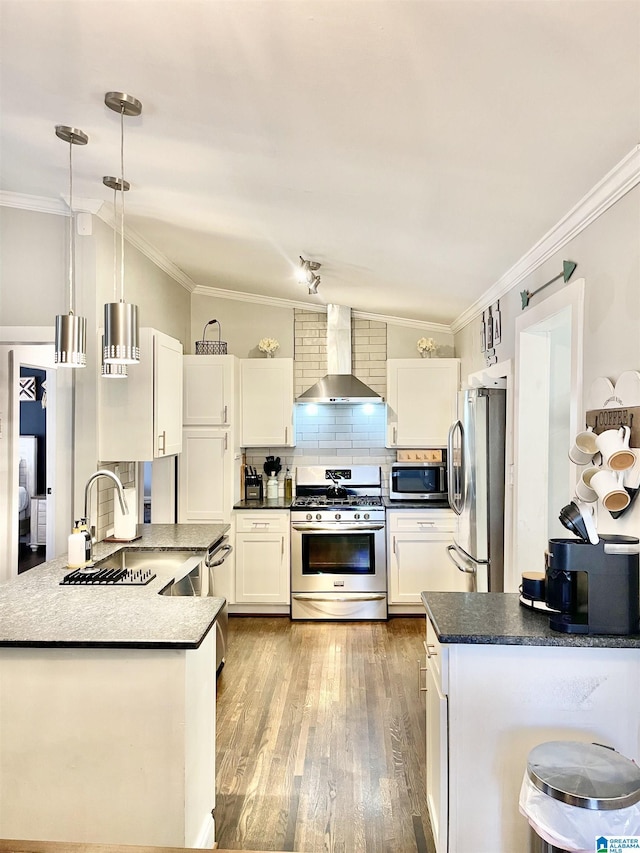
[{"x": 608, "y": 256}]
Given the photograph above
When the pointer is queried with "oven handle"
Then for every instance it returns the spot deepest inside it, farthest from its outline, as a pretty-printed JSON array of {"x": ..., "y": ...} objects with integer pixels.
[
  {"x": 337, "y": 526},
  {"x": 321, "y": 597}
]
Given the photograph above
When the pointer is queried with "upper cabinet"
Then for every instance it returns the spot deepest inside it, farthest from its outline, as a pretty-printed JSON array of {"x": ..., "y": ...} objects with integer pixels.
[
  {"x": 140, "y": 417},
  {"x": 421, "y": 401},
  {"x": 266, "y": 399},
  {"x": 209, "y": 386}
]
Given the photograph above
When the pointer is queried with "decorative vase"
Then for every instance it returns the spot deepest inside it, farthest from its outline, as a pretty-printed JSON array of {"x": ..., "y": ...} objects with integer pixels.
[
  {"x": 425, "y": 354},
  {"x": 269, "y": 355}
]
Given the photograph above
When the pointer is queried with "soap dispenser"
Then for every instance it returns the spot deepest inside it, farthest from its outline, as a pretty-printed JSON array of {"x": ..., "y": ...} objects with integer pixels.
[{"x": 78, "y": 546}]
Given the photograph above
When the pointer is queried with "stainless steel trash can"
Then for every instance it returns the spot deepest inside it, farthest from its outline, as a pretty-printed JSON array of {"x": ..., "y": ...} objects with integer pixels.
[{"x": 583, "y": 776}]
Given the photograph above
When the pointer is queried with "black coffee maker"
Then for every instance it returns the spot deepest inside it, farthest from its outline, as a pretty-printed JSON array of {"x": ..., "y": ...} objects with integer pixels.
[{"x": 594, "y": 588}]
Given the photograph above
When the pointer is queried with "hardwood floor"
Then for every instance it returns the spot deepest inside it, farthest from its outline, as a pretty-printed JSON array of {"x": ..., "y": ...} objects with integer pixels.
[{"x": 320, "y": 733}]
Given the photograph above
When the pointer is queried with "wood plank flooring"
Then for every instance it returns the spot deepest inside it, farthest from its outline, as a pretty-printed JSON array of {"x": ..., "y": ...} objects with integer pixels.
[{"x": 320, "y": 733}]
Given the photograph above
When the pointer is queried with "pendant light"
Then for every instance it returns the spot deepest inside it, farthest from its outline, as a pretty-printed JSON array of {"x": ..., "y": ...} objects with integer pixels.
[
  {"x": 121, "y": 327},
  {"x": 71, "y": 330},
  {"x": 114, "y": 370}
]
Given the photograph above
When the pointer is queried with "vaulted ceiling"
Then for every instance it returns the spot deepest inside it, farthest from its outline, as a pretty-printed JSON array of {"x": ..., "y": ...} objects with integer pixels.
[{"x": 416, "y": 148}]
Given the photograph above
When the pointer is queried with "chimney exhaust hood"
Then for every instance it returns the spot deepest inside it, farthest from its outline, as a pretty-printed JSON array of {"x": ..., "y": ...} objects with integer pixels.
[{"x": 339, "y": 385}]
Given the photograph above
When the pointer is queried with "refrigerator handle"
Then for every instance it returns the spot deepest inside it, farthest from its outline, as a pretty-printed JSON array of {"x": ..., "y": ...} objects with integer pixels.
[
  {"x": 451, "y": 550},
  {"x": 453, "y": 503}
]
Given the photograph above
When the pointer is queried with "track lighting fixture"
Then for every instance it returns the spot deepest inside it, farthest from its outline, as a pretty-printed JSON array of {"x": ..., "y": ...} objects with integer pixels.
[
  {"x": 121, "y": 326},
  {"x": 307, "y": 274},
  {"x": 71, "y": 330}
]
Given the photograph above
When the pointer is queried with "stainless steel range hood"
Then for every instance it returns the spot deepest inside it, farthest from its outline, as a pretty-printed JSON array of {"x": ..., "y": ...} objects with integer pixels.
[{"x": 339, "y": 385}]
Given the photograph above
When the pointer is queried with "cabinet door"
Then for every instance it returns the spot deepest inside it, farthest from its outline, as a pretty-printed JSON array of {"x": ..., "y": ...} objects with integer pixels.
[
  {"x": 437, "y": 762},
  {"x": 167, "y": 395},
  {"x": 208, "y": 390},
  {"x": 419, "y": 563},
  {"x": 262, "y": 568},
  {"x": 421, "y": 401},
  {"x": 204, "y": 470},
  {"x": 266, "y": 390}
]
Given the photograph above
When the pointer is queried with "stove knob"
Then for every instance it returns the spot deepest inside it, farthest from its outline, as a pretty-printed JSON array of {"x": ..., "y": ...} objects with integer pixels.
[
  {"x": 309, "y": 516},
  {"x": 356, "y": 515},
  {"x": 366, "y": 515},
  {"x": 318, "y": 517},
  {"x": 338, "y": 516}
]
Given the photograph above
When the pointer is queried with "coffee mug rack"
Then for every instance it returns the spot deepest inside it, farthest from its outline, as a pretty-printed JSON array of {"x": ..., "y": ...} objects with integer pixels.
[{"x": 612, "y": 406}]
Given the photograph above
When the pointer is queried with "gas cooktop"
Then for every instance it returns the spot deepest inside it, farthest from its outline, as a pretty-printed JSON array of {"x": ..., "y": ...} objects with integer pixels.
[{"x": 323, "y": 501}]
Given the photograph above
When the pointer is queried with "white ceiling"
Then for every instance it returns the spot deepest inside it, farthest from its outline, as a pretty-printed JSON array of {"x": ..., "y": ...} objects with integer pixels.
[{"x": 416, "y": 148}]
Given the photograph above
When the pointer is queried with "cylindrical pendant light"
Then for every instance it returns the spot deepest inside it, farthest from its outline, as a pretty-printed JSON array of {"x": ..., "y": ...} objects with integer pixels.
[
  {"x": 121, "y": 324},
  {"x": 71, "y": 330},
  {"x": 111, "y": 369}
]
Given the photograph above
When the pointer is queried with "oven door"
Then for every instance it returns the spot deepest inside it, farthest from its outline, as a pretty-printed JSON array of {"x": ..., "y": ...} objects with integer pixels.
[{"x": 338, "y": 557}]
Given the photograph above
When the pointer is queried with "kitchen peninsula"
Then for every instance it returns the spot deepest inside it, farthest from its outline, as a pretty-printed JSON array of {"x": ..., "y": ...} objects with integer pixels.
[
  {"x": 107, "y": 702},
  {"x": 499, "y": 681}
]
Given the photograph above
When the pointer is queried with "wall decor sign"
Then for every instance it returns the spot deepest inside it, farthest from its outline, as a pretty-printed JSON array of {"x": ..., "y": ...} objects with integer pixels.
[
  {"x": 497, "y": 323},
  {"x": 27, "y": 388},
  {"x": 568, "y": 268}
]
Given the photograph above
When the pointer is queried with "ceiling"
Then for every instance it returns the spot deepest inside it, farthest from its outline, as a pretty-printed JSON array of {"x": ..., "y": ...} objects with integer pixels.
[{"x": 416, "y": 148}]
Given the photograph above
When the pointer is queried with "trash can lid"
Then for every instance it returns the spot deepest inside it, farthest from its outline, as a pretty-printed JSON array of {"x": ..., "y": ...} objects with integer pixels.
[{"x": 587, "y": 775}]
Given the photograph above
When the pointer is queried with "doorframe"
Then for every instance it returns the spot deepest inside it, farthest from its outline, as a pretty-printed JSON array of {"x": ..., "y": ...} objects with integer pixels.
[
  {"x": 33, "y": 346},
  {"x": 571, "y": 298}
]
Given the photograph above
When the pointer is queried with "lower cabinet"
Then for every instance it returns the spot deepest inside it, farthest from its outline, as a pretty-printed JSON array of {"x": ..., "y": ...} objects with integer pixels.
[
  {"x": 437, "y": 743},
  {"x": 418, "y": 559},
  {"x": 262, "y": 561}
]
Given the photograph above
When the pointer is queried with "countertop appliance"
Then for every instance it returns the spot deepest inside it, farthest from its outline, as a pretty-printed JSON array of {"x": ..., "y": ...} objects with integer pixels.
[
  {"x": 594, "y": 588},
  {"x": 476, "y": 480},
  {"x": 338, "y": 544},
  {"x": 420, "y": 480}
]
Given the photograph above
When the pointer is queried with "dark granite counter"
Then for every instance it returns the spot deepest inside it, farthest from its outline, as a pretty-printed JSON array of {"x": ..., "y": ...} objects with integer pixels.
[
  {"x": 276, "y": 503},
  {"x": 498, "y": 618},
  {"x": 36, "y": 611}
]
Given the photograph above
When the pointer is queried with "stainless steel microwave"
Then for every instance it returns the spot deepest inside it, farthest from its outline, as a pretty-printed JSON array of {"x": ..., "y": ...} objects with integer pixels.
[{"x": 419, "y": 481}]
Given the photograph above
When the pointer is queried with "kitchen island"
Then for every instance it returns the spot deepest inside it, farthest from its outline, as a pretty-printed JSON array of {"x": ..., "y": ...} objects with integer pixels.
[
  {"x": 499, "y": 681},
  {"x": 107, "y": 703}
]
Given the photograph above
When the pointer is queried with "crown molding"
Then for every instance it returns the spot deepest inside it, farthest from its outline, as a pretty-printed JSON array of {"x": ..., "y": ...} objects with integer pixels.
[
  {"x": 149, "y": 250},
  {"x": 624, "y": 176},
  {"x": 42, "y": 204},
  {"x": 260, "y": 299}
]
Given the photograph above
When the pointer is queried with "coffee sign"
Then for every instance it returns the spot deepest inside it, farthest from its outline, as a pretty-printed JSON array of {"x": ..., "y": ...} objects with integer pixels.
[{"x": 602, "y": 419}]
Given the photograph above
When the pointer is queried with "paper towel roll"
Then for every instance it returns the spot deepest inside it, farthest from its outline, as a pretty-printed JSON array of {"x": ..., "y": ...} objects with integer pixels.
[{"x": 125, "y": 526}]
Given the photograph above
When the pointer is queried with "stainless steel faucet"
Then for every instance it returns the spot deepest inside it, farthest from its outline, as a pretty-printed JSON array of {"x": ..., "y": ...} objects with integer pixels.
[{"x": 87, "y": 506}]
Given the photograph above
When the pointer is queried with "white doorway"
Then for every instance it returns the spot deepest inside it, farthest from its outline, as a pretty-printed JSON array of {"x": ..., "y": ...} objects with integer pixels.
[
  {"x": 548, "y": 409},
  {"x": 27, "y": 350}
]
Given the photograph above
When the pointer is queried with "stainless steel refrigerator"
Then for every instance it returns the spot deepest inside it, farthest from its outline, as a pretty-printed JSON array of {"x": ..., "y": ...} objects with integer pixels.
[{"x": 476, "y": 480}]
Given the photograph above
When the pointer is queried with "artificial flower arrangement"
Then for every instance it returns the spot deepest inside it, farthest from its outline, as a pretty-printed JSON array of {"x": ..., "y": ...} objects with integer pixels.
[
  {"x": 426, "y": 345},
  {"x": 268, "y": 345}
]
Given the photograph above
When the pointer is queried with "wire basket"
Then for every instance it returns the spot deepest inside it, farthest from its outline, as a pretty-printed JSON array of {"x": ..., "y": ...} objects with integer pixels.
[{"x": 211, "y": 347}]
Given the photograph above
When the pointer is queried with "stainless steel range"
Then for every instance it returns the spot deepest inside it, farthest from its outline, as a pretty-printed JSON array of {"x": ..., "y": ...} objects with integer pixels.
[{"x": 338, "y": 544}]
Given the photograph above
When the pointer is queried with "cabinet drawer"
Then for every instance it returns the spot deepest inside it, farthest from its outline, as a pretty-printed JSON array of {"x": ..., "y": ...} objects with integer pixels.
[
  {"x": 437, "y": 659},
  {"x": 433, "y": 521},
  {"x": 261, "y": 522}
]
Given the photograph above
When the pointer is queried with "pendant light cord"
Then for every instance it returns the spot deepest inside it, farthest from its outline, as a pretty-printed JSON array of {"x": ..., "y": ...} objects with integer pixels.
[
  {"x": 115, "y": 248},
  {"x": 122, "y": 204},
  {"x": 72, "y": 236}
]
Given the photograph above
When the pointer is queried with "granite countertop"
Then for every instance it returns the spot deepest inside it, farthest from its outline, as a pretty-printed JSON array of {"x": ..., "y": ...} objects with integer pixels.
[
  {"x": 498, "y": 618},
  {"x": 36, "y": 611},
  {"x": 425, "y": 505},
  {"x": 275, "y": 503}
]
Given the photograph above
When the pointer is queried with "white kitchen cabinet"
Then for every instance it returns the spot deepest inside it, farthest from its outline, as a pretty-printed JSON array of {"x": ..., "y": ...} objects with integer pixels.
[
  {"x": 418, "y": 560},
  {"x": 488, "y": 706},
  {"x": 437, "y": 742},
  {"x": 266, "y": 395},
  {"x": 210, "y": 383},
  {"x": 140, "y": 417},
  {"x": 262, "y": 558},
  {"x": 421, "y": 400},
  {"x": 208, "y": 476}
]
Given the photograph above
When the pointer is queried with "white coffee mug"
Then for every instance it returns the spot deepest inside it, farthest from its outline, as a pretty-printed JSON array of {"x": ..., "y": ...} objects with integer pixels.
[
  {"x": 613, "y": 444},
  {"x": 584, "y": 447},
  {"x": 584, "y": 491},
  {"x": 608, "y": 485}
]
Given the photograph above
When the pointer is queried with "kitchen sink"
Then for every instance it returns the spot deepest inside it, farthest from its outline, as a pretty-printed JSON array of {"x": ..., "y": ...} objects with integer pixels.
[
  {"x": 189, "y": 584},
  {"x": 164, "y": 561},
  {"x": 130, "y": 567}
]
